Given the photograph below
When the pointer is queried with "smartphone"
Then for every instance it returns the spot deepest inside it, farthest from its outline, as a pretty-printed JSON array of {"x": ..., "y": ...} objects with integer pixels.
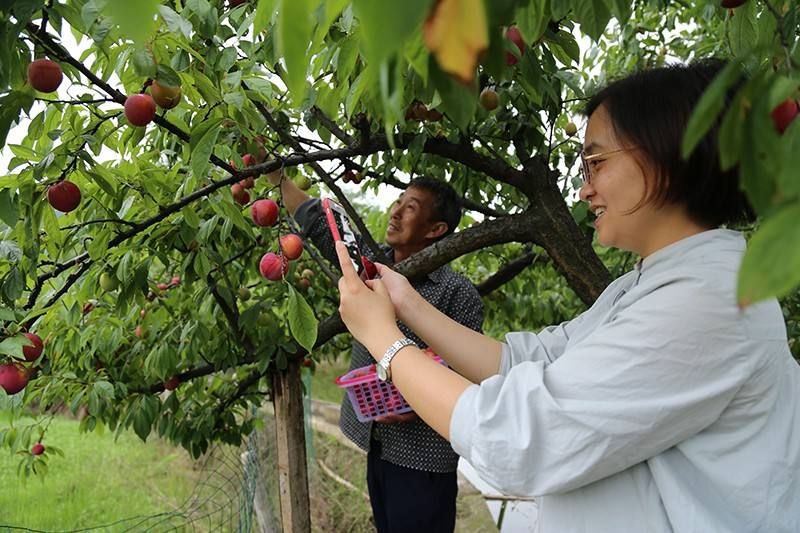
[{"x": 342, "y": 230}]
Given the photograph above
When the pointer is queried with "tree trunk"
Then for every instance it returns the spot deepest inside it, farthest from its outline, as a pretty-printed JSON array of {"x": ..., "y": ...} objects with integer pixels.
[{"x": 292, "y": 467}]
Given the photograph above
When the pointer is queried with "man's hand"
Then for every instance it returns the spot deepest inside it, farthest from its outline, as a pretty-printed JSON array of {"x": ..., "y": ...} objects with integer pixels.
[
  {"x": 397, "y": 419},
  {"x": 274, "y": 177}
]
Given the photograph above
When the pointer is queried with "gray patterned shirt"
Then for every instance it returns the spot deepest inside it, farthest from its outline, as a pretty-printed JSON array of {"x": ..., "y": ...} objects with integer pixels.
[{"x": 411, "y": 444}]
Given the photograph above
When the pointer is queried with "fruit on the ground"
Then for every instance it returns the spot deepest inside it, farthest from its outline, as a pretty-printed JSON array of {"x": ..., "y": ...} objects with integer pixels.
[
  {"x": 32, "y": 353},
  {"x": 513, "y": 34},
  {"x": 64, "y": 196},
  {"x": 489, "y": 99},
  {"x": 37, "y": 449},
  {"x": 172, "y": 383},
  {"x": 570, "y": 129},
  {"x": 292, "y": 245},
  {"x": 240, "y": 194},
  {"x": 783, "y": 114},
  {"x": 140, "y": 109},
  {"x": 162, "y": 286},
  {"x": 165, "y": 96},
  {"x": 264, "y": 212},
  {"x": 303, "y": 183},
  {"x": 45, "y": 75},
  {"x": 13, "y": 378},
  {"x": 108, "y": 281},
  {"x": 731, "y": 4},
  {"x": 273, "y": 266},
  {"x": 244, "y": 294}
]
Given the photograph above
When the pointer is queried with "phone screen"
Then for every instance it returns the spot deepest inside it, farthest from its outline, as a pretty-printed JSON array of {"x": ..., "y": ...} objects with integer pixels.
[{"x": 342, "y": 230}]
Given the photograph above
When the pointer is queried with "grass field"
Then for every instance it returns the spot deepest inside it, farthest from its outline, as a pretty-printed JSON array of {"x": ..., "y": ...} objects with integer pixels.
[{"x": 98, "y": 481}]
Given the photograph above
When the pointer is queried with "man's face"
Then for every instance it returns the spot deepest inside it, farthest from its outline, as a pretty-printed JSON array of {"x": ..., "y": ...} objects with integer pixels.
[{"x": 410, "y": 220}]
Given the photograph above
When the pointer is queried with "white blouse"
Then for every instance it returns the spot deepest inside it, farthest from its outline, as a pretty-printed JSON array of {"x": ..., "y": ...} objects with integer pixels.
[{"x": 664, "y": 407}]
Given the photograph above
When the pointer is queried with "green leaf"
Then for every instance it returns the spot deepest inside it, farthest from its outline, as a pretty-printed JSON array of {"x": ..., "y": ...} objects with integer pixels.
[
  {"x": 143, "y": 63},
  {"x": 175, "y": 22},
  {"x": 136, "y": 20},
  {"x": 264, "y": 12},
  {"x": 9, "y": 207},
  {"x": 771, "y": 265},
  {"x": 387, "y": 25},
  {"x": 204, "y": 146},
  {"x": 592, "y": 15},
  {"x": 709, "y": 106},
  {"x": 294, "y": 34},
  {"x": 13, "y": 345},
  {"x": 10, "y": 252},
  {"x": 533, "y": 19},
  {"x": 743, "y": 34},
  {"x": 302, "y": 322},
  {"x": 458, "y": 100},
  {"x": 167, "y": 77},
  {"x": 10, "y": 107}
]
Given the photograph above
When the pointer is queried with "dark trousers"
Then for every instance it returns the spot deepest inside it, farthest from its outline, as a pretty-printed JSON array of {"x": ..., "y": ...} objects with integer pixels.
[{"x": 405, "y": 500}]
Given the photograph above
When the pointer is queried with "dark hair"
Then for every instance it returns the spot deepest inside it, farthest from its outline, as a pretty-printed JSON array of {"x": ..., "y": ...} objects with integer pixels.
[
  {"x": 446, "y": 204},
  {"x": 650, "y": 110}
]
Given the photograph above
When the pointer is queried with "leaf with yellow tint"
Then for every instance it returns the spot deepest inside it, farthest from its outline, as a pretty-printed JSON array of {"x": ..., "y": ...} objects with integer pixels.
[{"x": 456, "y": 33}]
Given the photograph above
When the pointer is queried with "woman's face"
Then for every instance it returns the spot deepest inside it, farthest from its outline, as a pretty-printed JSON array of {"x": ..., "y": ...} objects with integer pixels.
[{"x": 616, "y": 188}]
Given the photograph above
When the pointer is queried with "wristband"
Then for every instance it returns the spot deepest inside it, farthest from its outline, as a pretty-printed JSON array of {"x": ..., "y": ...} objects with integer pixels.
[{"x": 382, "y": 368}]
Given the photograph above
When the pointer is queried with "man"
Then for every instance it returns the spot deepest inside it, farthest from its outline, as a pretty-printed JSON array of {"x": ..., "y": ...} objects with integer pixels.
[{"x": 411, "y": 470}]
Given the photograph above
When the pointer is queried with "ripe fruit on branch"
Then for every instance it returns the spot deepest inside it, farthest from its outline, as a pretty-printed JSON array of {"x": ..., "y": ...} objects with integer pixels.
[
  {"x": 416, "y": 111},
  {"x": 731, "y": 4},
  {"x": 175, "y": 281},
  {"x": 273, "y": 267},
  {"x": 108, "y": 282},
  {"x": 513, "y": 34},
  {"x": 32, "y": 353},
  {"x": 489, "y": 99},
  {"x": 248, "y": 160},
  {"x": 166, "y": 96},
  {"x": 64, "y": 196},
  {"x": 140, "y": 109},
  {"x": 13, "y": 378},
  {"x": 292, "y": 246},
  {"x": 162, "y": 286},
  {"x": 45, "y": 75},
  {"x": 240, "y": 194},
  {"x": 37, "y": 449},
  {"x": 172, "y": 383},
  {"x": 264, "y": 212},
  {"x": 570, "y": 129},
  {"x": 783, "y": 114},
  {"x": 139, "y": 332}
]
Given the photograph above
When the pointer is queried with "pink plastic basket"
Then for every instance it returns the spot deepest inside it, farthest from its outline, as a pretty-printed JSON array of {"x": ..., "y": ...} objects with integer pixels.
[{"x": 371, "y": 397}]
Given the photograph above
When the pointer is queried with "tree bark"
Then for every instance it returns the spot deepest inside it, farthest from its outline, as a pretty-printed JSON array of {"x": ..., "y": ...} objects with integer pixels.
[{"x": 292, "y": 467}]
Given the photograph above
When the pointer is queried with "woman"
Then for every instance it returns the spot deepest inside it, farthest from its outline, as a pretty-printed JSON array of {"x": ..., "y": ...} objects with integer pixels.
[{"x": 664, "y": 407}]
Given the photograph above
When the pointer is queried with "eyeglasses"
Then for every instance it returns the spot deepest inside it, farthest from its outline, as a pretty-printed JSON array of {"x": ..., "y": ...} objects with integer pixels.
[{"x": 586, "y": 170}]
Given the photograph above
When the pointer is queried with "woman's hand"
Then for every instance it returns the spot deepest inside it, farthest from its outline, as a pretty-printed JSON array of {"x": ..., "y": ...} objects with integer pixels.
[
  {"x": 366, "y": 311},
  {"x": 398, "y": 287}
]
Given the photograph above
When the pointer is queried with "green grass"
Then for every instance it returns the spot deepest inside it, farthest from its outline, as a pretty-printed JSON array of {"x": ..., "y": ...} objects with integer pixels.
[
  {"x": 98, "y": 481},
  {"x": 323, "y": 386}
]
